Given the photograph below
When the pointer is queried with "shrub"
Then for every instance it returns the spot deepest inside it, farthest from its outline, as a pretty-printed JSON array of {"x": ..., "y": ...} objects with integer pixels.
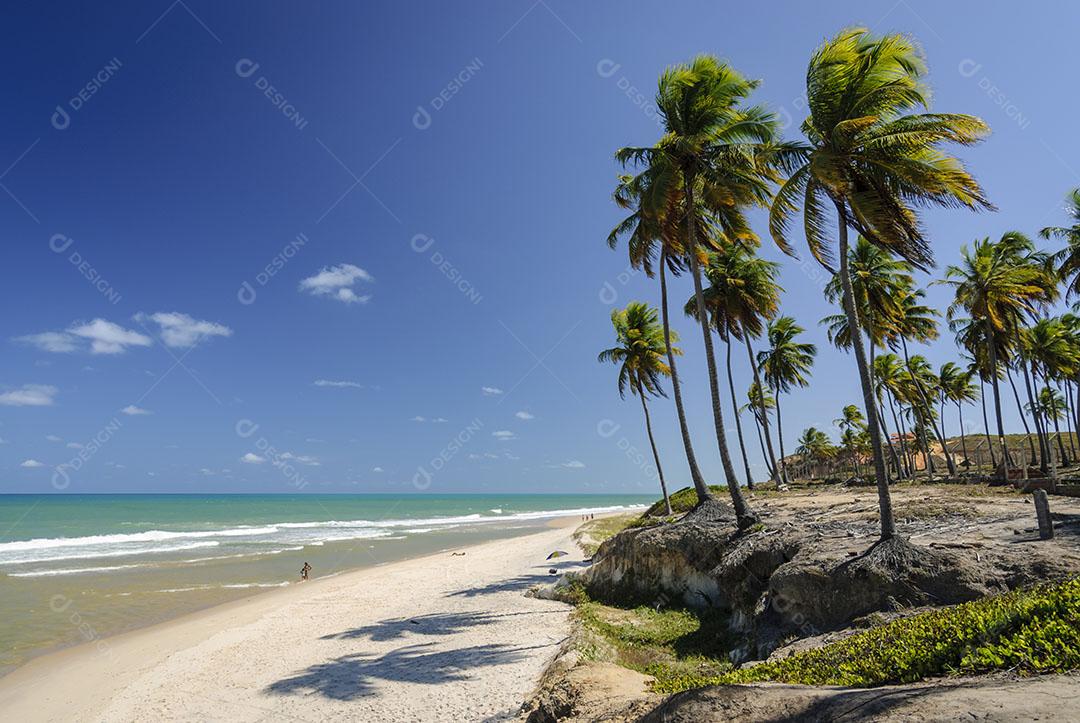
[
  {"x": 681, "y": 501},
  {"x": 1032, "y": 631}
]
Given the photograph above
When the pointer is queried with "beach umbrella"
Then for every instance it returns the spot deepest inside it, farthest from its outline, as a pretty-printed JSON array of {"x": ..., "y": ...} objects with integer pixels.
[{"x": 557, "y": 553}]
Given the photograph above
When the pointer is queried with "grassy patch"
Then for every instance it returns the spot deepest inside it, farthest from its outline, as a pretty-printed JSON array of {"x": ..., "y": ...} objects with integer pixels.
[
  {"x": 592, "y": 533},
  {"x": 671, "y": 645},
  {"x": 681, "y": 501},
  {"x": 1031, "y": 631}
]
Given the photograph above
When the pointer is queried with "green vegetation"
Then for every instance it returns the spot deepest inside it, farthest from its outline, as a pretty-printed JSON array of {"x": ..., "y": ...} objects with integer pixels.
[
  {"x": 681, "y": 502},
  {"x": 1030, "y": 631},
  {"x": 639, "y": 354},
  {"x": 591, "y": 534},
  {"x": 673, "y": 645}
]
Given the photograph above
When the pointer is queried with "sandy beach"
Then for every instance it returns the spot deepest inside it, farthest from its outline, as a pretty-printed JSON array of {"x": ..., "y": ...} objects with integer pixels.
[{"x": 443, "y": 637}]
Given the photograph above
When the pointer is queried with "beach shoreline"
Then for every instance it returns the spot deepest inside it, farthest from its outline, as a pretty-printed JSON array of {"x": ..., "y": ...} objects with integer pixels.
[{"x": 472, "y": 606}]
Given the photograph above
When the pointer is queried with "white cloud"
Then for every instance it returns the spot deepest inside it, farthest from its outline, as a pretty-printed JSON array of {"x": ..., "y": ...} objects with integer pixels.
[
  {"x": 207, "y": 472},
  {"x": 337, "y": 282},
  {"x": 376, "y": 469},
  {"x": 439, "y": 420},
  {"x": 252, "y": 458},
  {"x": 53, "y": 438},
  {"x": 31, "y": 464},
  {"x": 73, "y": 445},
  {"x": 54, "y": 341},
  {"x": 574, "y": 464},
  {"x": 331, "y": 383},
  {"x": 29, "y": 395},
  {"x": 108, "y": 338},
  {"x": 132, "y": 411},
  {"x": 181, "y": 331},
  {"x": 104, "y": 337},
  {"x": 503, "y": 435},
  {"x": 301, "y": 458},
  {"x": 491, "y": 391},
  {"x": 524, "y": 415},
  {"x": 418, "y": 418}
]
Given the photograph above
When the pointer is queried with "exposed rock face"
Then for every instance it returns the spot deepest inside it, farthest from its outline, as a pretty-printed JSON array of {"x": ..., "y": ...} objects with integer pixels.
[
  {"x": 663, "y": 563},
  {"x": 812, "y": 594},
  {"x": 989, "y": 698},
  {"x": 798, "y": 581}
]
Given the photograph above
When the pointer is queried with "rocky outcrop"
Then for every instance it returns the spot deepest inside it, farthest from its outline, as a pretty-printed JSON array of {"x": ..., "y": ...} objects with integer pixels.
[
  {"x": 996, "y": 698},
  {"x": 792, "y": 582}
]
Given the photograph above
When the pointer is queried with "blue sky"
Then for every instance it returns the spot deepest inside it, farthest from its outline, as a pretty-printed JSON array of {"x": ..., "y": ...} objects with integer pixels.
[{"x": 426, "y": 191}]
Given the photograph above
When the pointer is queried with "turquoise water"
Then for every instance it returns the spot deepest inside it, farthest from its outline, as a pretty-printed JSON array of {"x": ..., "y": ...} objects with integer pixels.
[{"x": 119, "y": 562}]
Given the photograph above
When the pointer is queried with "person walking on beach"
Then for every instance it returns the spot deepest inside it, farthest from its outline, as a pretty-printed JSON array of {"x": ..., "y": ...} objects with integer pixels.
[{"x": 304, "y": 571}]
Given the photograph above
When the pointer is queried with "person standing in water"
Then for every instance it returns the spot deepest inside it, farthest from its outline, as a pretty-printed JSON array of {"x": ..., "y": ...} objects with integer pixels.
[{"x": 304, "y": 571}]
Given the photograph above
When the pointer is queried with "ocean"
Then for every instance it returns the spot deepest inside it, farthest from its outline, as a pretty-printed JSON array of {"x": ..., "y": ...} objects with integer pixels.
[{"x": 76, "y": 568}]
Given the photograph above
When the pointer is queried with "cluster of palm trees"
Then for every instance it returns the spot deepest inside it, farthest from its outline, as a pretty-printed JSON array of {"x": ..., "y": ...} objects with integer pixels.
[{"x": 870, "y": 157}]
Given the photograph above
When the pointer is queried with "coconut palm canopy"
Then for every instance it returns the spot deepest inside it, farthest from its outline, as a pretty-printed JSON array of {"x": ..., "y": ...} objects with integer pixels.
[
  {"x": 872, "y": 156},
  {"x": 640, "y": 351}
]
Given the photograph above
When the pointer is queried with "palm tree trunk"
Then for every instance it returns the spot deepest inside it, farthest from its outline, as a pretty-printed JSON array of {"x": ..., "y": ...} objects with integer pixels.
[
  {"x": 764, "y": 413},
  {"x": 963, "y": 440},
  {"x": 888, "y": 522},
  {"x": 735, "y": 408},
  {"x": 986, "y": 424},
  {"x": 1063, "y": 459},
  {"x": 1069, "y": 417},
  {"x": 745, "y": 518},
  {"x": 1036, "y": 416},
  {"x": 691, "y": 459},
  {"x": 906, "y": 471},
  {"x": 997, "y": 393},
  {"x": 655, "y": 454},
  {"x": 944, "y": 429},
  {"x": 761, "y": 444},
  {"x": 929, "y": 410},
  {"x": 1076, "y": 413},
  {"x": 888, "y": 441},
  {"x": 782, "y": 472},
  {"x": 1020, "y": 408}
]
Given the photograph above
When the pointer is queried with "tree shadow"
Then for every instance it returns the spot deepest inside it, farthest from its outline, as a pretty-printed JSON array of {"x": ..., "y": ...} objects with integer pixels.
[
  {"x": 352, "y": 676},
  {"x": 432, "y": 624},
  {"x": 521, "y": 582}
]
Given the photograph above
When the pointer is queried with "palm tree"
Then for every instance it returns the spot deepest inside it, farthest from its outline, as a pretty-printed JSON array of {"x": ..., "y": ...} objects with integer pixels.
[
  {"x": 652, "y": 230},
  {"x": 719, "y": 152},
  {"x": 877, "y": 281},
  {"x": 1068, "y": 258},
  {"x": 917, "y": 322},
  {"x": 888, "y": 378},
  {"x": 814, "y": 447},
  {"x": 956, "y": 386},
  {"x": 874, "y": 161},
  {"x": 996, "y": 284},
  {"x": 1049, "y": 347},
  {"x": 785, "y": 364},
  {"x": 852, "y": 424},
  {"x": 742, "y": 294},
  {"x": 1051, "y": 405},
  {"x": 760, "y": 403},
  {"x": 918, "y": 377},
  {"x": 640, "y": 352}
]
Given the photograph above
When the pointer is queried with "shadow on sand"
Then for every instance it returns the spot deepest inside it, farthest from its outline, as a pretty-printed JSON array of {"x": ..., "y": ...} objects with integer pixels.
[
  {"x": 521, "y": 582},
  {"x": 353, "y": 676},
  {"x": 434, "y": 624}
]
